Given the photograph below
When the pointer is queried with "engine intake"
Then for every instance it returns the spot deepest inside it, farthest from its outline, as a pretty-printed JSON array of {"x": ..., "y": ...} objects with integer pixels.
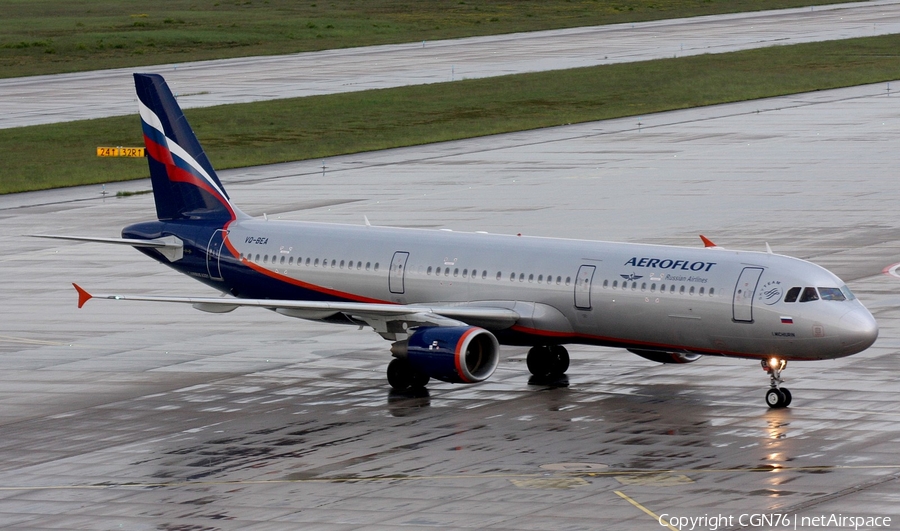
[
  {"x": 665, "y": 357},
  {"x": 455, "y": 354}
]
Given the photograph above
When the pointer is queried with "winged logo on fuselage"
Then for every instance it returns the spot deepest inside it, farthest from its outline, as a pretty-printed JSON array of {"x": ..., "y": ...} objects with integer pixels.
[
  {"x": 771, "y": 292},
  {"x": 631, "y": 276}
]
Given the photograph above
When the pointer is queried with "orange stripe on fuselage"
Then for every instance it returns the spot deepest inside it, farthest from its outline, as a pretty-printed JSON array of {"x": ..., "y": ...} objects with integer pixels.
[{"x": 284, "y": 278}]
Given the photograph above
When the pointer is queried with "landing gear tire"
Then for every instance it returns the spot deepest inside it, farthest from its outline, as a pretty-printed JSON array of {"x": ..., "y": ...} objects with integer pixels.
[
  {"x": 546, "y": 361},
  {"x": 403, "y": 377},
  {"x": 537, "y": 361},
  {"x": 787, "y": 396},
  {"x": 775, "y": 398},
  {"x": 559, "y": 357},
  {"x": 419, "y": 380}
]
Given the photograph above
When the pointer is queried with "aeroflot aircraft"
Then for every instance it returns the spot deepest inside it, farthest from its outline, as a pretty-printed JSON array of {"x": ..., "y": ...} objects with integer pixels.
[{"x": 447, "y": 300}]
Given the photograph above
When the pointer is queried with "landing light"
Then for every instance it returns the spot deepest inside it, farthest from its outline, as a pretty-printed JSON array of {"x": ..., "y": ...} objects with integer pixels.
[{"x": 776, "y": 364}]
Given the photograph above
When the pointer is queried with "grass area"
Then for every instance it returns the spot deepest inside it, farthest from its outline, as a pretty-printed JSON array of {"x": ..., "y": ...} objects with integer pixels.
[
  {"x": 49, "y": 156},
  {"x": 53, "y": 36}
]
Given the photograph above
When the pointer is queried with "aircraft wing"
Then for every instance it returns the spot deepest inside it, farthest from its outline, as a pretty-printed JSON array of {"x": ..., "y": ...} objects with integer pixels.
[{"x": 386, "y": 319}]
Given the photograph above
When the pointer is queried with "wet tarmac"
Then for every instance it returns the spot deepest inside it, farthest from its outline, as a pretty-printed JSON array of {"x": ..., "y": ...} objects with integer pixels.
[
  {"x": 141, "y": 416},
  {"x": 84, "y": 95}
]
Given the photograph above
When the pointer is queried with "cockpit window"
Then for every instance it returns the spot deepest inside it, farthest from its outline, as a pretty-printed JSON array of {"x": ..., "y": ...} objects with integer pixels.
[
  {"x": 847, "y": 293},
  {"x": 831, "y": 294},
  {"x": 792, "y": 295},
  {"x": 809, "y": 294}
]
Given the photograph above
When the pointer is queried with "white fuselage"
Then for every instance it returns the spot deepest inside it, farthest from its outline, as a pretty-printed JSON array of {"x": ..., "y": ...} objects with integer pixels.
[{"x": 700, "y": 300}]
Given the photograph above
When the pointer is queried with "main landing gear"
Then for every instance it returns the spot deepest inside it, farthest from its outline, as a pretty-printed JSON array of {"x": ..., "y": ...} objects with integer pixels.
[
  {"x": 403, "y": 377},
  {"x": 776, "y": 397},
  {"x": 548, "y": 361}
]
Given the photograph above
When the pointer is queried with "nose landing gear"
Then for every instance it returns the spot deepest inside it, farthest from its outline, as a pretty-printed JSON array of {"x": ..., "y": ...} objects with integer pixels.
[{"x": 776, "y": 396}]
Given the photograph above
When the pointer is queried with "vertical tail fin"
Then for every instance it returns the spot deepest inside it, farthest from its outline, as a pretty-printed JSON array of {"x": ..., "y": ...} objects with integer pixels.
[{"x": 185, "y": 184}]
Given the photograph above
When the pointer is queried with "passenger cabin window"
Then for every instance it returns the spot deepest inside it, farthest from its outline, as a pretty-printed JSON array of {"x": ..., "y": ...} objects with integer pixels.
[
  {"x": 792, "y": 295},
  {"x": 291, "y": 261},
  {"x": 428, "y": 271},
  {"x": 376, "y": 266},
  {"x": 808, "y": 295},
  {"x": 568, "y": 280},
  {"x": 712, "y": 291},
  {"x": 605, "y": 283},
  {"x": 499, "y": 274},
  {"x": 484, "y": 274},
  {"x": 615, "y": 284}
]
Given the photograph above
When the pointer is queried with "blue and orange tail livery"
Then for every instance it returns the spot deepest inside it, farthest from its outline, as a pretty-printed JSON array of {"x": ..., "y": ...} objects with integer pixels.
[{"x": 185, "y": 184}]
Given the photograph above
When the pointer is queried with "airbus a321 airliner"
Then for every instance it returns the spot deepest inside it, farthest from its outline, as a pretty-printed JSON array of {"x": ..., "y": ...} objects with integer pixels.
[{"x": 447, "y": 300}]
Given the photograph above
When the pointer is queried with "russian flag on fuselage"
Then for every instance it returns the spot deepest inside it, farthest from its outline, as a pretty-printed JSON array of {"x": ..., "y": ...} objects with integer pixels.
[{"x": 185, "y": 185}]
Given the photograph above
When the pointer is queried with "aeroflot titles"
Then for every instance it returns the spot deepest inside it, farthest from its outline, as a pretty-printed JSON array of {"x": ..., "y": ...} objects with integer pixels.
[{"x": 670, "y": 264}]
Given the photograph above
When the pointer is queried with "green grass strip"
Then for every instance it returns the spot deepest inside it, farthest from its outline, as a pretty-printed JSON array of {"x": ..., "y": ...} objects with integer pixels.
[
  {"x": 49, "y": 156},
  {"x": 53, "y": 36}
]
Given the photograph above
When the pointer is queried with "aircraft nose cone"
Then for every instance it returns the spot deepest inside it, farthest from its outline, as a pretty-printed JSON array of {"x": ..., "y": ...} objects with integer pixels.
[{"x": 859, "y": 331}]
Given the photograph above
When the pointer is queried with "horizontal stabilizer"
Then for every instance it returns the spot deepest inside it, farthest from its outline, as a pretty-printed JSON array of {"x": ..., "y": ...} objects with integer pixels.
[{"x": 170, "y": 246}]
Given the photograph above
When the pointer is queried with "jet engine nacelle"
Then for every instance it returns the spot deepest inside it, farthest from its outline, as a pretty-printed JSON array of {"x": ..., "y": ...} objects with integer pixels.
[
  {"x": 455, "y": 354},
  {"x": 665, "y": 357}
]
